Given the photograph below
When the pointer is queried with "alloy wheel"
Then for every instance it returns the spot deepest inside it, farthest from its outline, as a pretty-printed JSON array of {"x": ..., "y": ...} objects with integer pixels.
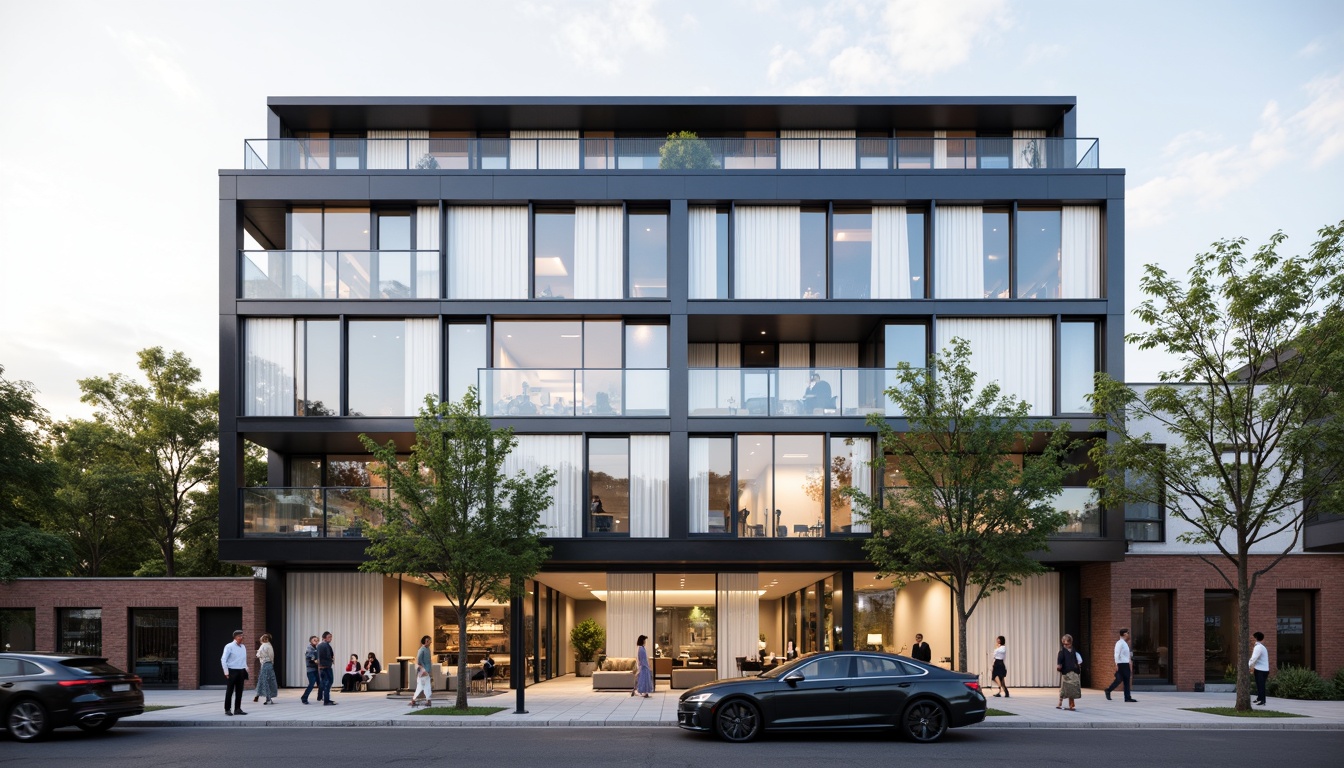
[
  {"x": 925, "y": 721},
  {"x": 27, "y": 720},
  {"x": 739, "y": 721}
]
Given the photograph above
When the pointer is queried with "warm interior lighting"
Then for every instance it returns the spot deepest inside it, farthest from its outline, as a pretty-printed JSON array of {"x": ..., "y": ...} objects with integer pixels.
[{"x": 874, "y": 639}]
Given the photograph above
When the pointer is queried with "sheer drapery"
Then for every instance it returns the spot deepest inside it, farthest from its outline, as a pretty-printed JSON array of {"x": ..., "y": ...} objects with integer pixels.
[
  {"x": 861, "y": 453},
  {"x": 348, "y": 605},
  {"x": 959, "y": 252},
  {"x": 704, "y": 253},
  {"x": 794, "y": 360},
  {"x": 940, "y": 149},
  {"x": 837, "y": 355},
  {"x": 563, "y": 519},
  {"x": 816, "y": 149},
  {"x": 422, "y": 362},
  {"x": 701, "y": 395},
  {"x": 268, "y": 366},
  {"x": 890, "y": 276},
  {"x": 599, "y": 271},
  {"x": 1027, "y": 615},
  {"x": 427, "y": 239},
  {"x": 1016, "y": 352},
  {"x": 730, "y": 380},
  {"x": 767, "y": 257},
  {"x": 699, "y": 471},
  {"x": 629, "y": 612},
  {"x": 1080, "y": 252},
  {"x": 739, "y": 620},
  {"x": 544, "y": 150},
  {"x": 649, "y": 468},
  {"x": 1028, "y": 148},
  {"x": 487, "y": 252},
  {"x": 386, "y": 150}
]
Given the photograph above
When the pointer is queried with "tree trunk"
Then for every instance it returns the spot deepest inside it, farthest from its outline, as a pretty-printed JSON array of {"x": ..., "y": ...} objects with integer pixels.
[
  {"x": 169, "y": 566},
  {"x": 960, "y": 598},
  {"x": 1243, "y": 631},
  {"x": 461, "y": 659}
]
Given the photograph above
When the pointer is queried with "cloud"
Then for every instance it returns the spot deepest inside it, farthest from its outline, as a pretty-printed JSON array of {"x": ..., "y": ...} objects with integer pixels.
[
  {"x": 1322, "y": 121},
  {"x": 858, "y": 69},
  {"x": 1310, "y": 49},
  {"x": 156, "y": 61},
  {"x": 1037, "y": 53},
  {"x": 782, "y": 60},
  {"x": 927, "y": 37},
  {"x": 599, "y": 40}
]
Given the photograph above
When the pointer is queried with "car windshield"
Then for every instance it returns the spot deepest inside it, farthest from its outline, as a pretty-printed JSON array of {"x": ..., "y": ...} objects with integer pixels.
[{"x": 91, "y": 666}]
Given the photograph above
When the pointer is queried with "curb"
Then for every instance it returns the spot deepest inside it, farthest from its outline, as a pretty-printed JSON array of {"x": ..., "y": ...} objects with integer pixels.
[{"x": 449, "y": 721}]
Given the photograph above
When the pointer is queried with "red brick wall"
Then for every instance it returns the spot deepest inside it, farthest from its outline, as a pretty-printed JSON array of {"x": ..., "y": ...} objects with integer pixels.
[
  {"x": 1108, "y": 585},
  {"x": 116, "y": 598}
]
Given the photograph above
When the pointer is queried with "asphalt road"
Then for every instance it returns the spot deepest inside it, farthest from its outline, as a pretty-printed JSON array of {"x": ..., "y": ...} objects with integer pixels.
[{"x": 583, "y": 747}]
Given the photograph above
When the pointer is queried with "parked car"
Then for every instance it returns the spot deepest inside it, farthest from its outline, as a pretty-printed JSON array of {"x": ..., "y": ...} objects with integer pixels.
[
  {"x": 837, "y": 690},
  {"x": 42, "y": 691}
]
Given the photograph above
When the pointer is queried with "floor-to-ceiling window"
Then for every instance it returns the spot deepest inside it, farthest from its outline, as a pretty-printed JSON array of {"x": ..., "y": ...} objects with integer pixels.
[
  {"x": 17, "y": 628},
  {"x": 1150, "y": 633},
  {"x": 1220, "y": 635},
  {"x": 154, "y": 645},
  {"x": 1296, "y": 629},
  {"x": 874, "y": 617},
  {"x": 80, "y": 630}
]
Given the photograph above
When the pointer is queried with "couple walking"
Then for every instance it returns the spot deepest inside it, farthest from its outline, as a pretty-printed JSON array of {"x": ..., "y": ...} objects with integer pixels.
[{"x": 319, "y": 658}]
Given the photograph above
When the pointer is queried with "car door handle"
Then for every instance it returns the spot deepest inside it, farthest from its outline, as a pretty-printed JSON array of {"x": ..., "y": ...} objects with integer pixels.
[
  {"x": 902, "y": 685},
  {"x": 841, "y": 687},
  {"x": 7, "y": 685}
]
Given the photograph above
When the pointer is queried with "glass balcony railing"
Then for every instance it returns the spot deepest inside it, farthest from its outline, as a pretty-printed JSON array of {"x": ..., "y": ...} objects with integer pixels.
[
  {"x": 311, "y": 512},
  {"x": 340, "y": 274},
  {"x": 573, "y": 392},
  {"x": 790, "y": 391},
  {"x": 710, "y": 154}
]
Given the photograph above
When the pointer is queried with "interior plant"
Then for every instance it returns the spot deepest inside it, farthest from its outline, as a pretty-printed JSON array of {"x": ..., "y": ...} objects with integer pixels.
[{"x": 587, "y": 637}]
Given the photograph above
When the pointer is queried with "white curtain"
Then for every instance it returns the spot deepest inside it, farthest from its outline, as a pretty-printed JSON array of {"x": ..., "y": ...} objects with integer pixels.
[
  {"x": 1028, "y": 618},
  {"x": 387, "y": 150},
  {"x": 702, "y": 384},
  {"x": 1080, "y": 252},
  {"x": 1016, "y": 352},
  {"x": 1028, "y": 149},
  {"x": 816, "y": 149},
  {"x": 268, "y": 366},
  {"x": 704, "y": 255},
  {"x": 730, "y": 380},
  {"x": 563, "y": 454},
  {"x": 487, "y": 252},
  {"x": 544, "y": 150},
  {"x": 649, "y": 477},
  {"x": 959, "y": 252},
  {"x": 427, "y": 264},
  {"x": 890, "y": 276},
  {"x": 422, "y": 362},
  {"x": 940, "y": 149},
  {"x": 699, "y": 471},
  {"x": 767, "y": 257},
  {"x": 837, "y": 355},
  {"x": 629, "y": 611},
  {"x": 861, "y": 453},
  {"x": 348, "y": 605},
  {"x": 739, "y": 620},
  {"x": 599, "y": 271},
  {"x": 794, "y": 361}
]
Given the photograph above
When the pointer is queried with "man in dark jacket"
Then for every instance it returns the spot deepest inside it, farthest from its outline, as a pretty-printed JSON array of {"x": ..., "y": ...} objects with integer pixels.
[
  {"x": 921, "y": 650},
  {"x": 325, "y": 658},
  {"x": 310, "y": 661}
]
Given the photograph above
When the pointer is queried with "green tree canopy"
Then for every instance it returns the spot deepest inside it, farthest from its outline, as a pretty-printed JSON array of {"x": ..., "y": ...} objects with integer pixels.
[
  {"x": 95, "y": 500},
  {"x": 969, "y": 515},
  {"x": 1253, "y": 407},
  {"x": 165, "y": 431},
  {"x": 453, "y": 518},
  {"x": 686, "y": 151},
  {"x": 27, "y": 478}
]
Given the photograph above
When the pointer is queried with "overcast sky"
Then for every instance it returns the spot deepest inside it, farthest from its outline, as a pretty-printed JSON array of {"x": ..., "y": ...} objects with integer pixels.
[{"x": 1227, "y": 116}]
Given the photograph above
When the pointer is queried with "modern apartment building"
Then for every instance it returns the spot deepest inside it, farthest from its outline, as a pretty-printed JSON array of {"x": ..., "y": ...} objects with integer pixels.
[{"x": 690, "y": 332}]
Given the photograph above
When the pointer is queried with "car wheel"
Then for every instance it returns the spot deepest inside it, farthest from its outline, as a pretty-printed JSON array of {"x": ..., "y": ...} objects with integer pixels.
[
  {"x": 99, "y": 727},
  {"x": 738, "y": 721},
  {"x": 27, "y": 720},
  {"x": 925, "y": 721}
]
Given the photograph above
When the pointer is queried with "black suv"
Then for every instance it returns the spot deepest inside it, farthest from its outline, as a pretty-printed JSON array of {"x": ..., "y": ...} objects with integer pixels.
[{"x": 41, "y": 691}]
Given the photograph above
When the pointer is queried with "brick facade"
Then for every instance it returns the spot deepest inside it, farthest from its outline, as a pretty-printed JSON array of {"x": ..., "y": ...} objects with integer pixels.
[
  {"x": 1187, "y": 577},
  {"x": 118, "y": 596}
]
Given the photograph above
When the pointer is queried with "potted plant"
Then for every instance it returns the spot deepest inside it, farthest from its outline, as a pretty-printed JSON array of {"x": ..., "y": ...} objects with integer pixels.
[{"x": 587, "y": 637}]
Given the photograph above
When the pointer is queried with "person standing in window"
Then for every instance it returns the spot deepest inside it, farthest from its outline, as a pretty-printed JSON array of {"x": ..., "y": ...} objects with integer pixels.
[
  {"x": 921, "y": 650},
  {"x": 643, "y": 672},
  {"x": 1259, "y": 665},
  {"x": 1122, "y": 666},
  {"x": 1000, "y": 673}
]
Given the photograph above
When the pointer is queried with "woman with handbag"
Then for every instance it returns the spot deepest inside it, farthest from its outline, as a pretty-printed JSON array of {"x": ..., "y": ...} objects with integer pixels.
[
  {"x": 1070, "y": 665},
  {"x": 266, "y": 683}
]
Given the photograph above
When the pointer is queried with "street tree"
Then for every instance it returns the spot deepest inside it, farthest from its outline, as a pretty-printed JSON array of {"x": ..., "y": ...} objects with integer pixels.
[
  {"x": 96, "y": 492},
  {"x": 27, "y": 481},
  {"x": 979, "y": 478},
  {"x": 165, "y": 430},
  {"x": 1253, "y": 407},
  {"x": 453, "y": 519}
]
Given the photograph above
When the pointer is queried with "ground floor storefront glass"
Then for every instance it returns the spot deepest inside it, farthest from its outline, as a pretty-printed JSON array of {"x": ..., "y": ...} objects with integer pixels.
[
  {"x": 1150, "y": 635},
  {"x": 1296, "y": 628},
  {"x": 1220, "y": 636},
  {"x": 154, "y": 645}
]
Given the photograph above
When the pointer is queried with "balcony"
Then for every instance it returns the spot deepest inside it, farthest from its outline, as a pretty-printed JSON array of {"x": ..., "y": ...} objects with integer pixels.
[
  {"x": 789, "y": 392},
  {"x": 339, "y": 274},
  {"x": 599, "y": 154},
  {"x": 310, "y": 512},
  {"x": 560, "y": 392}
]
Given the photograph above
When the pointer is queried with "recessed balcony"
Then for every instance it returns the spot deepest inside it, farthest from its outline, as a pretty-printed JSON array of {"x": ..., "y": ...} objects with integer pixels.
[
  {"x": 339, "y": 274},
  {"x": 572, "y": 392},
  {"x": 802, "y": 392},
  {"x": 310, "y": 512}
]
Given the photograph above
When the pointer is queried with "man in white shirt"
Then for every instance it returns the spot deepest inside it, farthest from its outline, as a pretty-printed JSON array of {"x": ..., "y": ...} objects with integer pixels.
[
  {"x": 1259, "y": 665},
  {"x": 234, "y": 663},
  {"x": 1122, "y": 668}
]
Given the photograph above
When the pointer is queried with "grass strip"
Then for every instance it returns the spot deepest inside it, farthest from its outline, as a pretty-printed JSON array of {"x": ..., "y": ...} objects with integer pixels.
[
  {"x": 453, "y": 711},
  {"x": 1234, "y": 712},
  {"x": 157, "y": 707},
  {"x": 991, "y": 712}
]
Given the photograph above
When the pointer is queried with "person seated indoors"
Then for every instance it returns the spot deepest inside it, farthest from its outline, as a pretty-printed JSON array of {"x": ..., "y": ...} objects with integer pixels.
[
  {"x": 354, "y": 672},
  {"x": 372, "y": 666}
]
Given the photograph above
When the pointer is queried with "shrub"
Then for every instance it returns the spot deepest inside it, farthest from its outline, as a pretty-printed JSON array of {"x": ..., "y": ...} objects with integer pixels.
[
  {"x": 1338, "y": 682},
  {"x": 1299, "y": 683}
]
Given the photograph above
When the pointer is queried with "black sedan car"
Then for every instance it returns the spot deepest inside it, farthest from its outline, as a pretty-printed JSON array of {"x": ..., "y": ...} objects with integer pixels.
[
  {"x": 41, "y": 691},
  {"x": 837, "y": 690}
]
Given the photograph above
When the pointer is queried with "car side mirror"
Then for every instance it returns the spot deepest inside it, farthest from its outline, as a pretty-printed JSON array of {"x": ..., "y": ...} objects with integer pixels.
[{"x": 793, "y": 678}]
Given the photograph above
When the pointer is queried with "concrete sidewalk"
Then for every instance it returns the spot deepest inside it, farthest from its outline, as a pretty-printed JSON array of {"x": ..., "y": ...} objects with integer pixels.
[{"x": 570, "y": 701}]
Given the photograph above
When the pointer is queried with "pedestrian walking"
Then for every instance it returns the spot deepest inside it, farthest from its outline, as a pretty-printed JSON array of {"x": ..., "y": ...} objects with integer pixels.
[
  {"x": 234, "y": 663},
  {"x": 424, "y": 682},
  {"x": 326, "y": 657},
  {"x": 1122, "y": 667},
  {"x": 266, "y": 683},
  {"x": 1070, "y": 665},
  {"x": 643, "y": 672},
  {"x": 1000, "y": 672},
  {"x": 310, "y": 662},
  {"x": 1259, "y": 665}
]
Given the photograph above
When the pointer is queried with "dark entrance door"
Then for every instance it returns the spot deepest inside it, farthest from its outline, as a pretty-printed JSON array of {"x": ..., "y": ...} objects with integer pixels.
[{"x": 216, "y": 629}]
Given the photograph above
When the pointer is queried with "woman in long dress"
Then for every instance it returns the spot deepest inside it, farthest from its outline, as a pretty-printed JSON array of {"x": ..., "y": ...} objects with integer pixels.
[
  {"x": 266, "y": 682},
  {"x": 643, "y": 672},
  {"x": 1070, "y": 664}
]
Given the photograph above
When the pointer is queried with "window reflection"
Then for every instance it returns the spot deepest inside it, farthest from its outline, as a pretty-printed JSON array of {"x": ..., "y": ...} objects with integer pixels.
[
  {"x": 852, "y": 255},
  {"x": 812, "y": 260},
  {"x": 648, "y": 255},
  {"x": 609, "y": 485},
  {"x": 554, "y": 261},
  {"x": 1077, "y": 365},
  {"x": 1038, "y": 254},
  {"x": 377, "y": 368},
  {"x": 996, "y": 254}
]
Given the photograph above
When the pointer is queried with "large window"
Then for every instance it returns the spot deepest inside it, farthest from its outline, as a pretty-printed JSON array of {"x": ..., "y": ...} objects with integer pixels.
[
  {"x": 994, "y": 261},
  {"x": 1296, "y": 629},
  {"x": 17, "y": 628},
  {"x": 708, "y": 262},
  {"x": 1150, "y": 633},
  {"x": 317, "y": 367},
  {"x": 553, "y": 264},
  {"x": 648, "y": 255},
  {"x": 1220, "y": 636},
  {"x": 393, "y": 364},
  {"x": 154, "y": 644},
  {"x": 1036, "y": 253},
  {"x": 466, "y": 356},
  {"x": 874, "y": 616},
  {"x": 1077, "y": 365},
  {"x": 578, "y": 254},
  {"x": 609, "y": 485},
  {"x": 80, "y": 630},
  {"x": 1146, "y": 520}
]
